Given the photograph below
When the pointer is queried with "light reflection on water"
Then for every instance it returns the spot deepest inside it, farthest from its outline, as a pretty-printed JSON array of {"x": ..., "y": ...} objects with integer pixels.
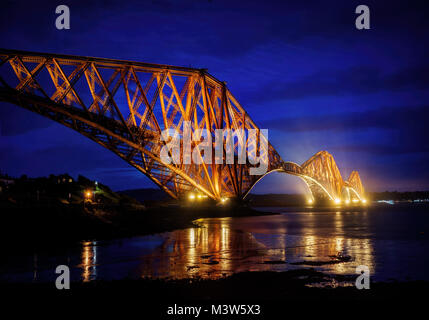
[
  {"x": 89, "y": 261},
  {"x": 209, "y": 251},
  {"x": 393, "y": 243},
  {"x": 217, "y": 248}
]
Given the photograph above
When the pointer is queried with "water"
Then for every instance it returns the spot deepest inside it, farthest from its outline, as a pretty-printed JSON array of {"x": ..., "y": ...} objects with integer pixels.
[{"x": 392, "y": 241}]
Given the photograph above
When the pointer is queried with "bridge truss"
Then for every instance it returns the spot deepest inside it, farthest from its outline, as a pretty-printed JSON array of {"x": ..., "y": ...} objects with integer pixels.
[{"x": 125, "y": 105}]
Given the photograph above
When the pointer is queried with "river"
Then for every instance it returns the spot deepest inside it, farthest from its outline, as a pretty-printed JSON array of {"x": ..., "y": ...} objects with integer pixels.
[{"x": 391, "y": 240}]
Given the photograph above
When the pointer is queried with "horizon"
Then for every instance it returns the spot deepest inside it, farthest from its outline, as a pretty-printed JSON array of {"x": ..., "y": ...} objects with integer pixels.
[{"x": 158, "y": 189}]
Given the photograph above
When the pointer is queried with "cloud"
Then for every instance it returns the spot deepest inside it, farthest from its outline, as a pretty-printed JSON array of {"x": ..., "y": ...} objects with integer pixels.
[
  {"x": 218, "y": 28},
  {"x": 387, "y": 118},
  {"x": 355, "y": 80},
  {"x": 406, "y": 128}
]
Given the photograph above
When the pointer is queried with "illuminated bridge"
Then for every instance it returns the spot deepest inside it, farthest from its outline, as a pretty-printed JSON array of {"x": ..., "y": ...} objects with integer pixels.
[{"x": 125, "y": 105}]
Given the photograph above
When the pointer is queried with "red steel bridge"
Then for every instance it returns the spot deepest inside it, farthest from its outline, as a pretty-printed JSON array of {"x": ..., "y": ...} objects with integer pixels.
[{"x": 125, "y": 105}]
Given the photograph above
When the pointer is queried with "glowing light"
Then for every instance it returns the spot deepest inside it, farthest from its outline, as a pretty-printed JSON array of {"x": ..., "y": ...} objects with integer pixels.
[
  {"x": 363, "y": 200},
  {"x": 347, "y": 201},
  {"x": 223, "y": 200},
  {"x": 355, "y": 200},
  {"x": 199, "y": 196},
  {"x": 337, "y": 201},
  {"x": 191, "y": 196},
  {"x": 88, "y": 194},
  {"x": 310, "y": 201}
]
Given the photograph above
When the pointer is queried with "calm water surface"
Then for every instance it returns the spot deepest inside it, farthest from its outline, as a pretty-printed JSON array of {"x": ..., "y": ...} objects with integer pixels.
[{"x": 392, "y": 241}]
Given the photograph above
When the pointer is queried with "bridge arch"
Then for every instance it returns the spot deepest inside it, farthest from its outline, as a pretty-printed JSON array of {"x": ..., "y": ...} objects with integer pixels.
[
  {"x": 322, "y": 178},
  {"x": 281, "y": 170}
]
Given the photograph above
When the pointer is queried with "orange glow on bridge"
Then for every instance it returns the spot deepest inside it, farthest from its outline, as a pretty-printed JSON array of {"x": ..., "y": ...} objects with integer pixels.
[{"x": 125, "y": 105}]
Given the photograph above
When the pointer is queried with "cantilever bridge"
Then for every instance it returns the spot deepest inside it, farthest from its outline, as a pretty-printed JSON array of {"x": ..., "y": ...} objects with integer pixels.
[{"x": 125, "y": 105}]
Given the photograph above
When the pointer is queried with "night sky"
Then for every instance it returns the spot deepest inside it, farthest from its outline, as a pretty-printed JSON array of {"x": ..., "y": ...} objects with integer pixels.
[{"x": 299, "y": 68}]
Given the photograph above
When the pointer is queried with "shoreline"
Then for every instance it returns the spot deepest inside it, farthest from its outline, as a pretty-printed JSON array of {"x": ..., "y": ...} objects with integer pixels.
[
  {"x": 292, "y": 285},
  {"x": 45, "y": 227}
]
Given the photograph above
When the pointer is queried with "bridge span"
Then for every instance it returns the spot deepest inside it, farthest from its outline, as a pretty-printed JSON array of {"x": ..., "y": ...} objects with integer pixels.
[
  {"x": 125, "y": 105},
  {"x": 323, "y": 179}
]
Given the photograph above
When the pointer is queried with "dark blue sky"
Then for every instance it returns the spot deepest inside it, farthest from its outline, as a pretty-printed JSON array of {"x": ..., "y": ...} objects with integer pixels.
[{"x": 300, "y": 69}]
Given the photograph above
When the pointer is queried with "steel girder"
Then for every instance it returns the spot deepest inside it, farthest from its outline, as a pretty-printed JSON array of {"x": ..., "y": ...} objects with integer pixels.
[{"x": 125, "y": 105}]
